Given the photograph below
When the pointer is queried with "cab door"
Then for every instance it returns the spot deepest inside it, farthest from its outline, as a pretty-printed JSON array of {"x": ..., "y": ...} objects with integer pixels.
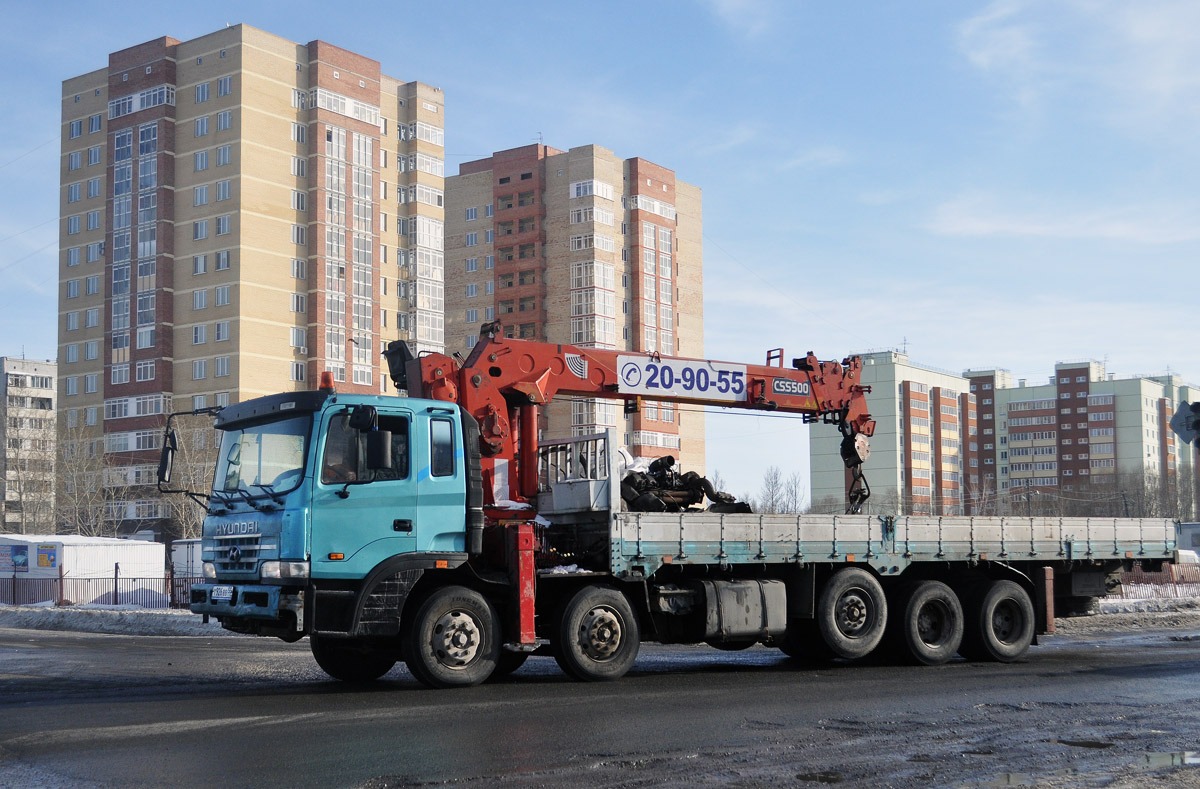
[
  {"x": 442, "y": 493},
  {"x": 362, "y": 516}
]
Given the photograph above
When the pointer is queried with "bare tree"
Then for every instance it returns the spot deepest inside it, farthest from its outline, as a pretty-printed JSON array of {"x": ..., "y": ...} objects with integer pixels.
[
  {"x": 770, "y": 495},
  {"x": 88, "y": 487},
  {"x": 29, "y": 471},
  {"x": 792, "y": 500},
  {"x": 195, "y": 459}
]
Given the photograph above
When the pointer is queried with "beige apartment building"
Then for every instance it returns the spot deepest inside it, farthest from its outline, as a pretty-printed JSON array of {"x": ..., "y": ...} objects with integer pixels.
[
  {"x": 1083, "y": 442},
  {"x": 582, "y": 247},
  {"x": 28, "y": 391},
  {"x": 239, "y": 213}
]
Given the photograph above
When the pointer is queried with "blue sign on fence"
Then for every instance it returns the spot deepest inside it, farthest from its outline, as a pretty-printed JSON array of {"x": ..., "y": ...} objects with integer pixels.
[{"x": 47, "y": 555}]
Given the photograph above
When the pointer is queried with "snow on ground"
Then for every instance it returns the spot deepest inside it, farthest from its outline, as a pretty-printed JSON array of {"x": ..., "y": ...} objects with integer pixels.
[
  {"x": 1114, "y": 613},
  {"x": 115, "y": 619}
]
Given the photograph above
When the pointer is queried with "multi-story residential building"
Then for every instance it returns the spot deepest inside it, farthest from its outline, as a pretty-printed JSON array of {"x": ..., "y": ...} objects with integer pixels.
[
  {"x": 582, "y": 247},
  {"x": 923, "y": 451},
  {"x": 240, "y": 212},
  {"x": 1067, "y": 446},
  {"x": 28, "y": 431},
  {"x": 1083, "y": 431}
]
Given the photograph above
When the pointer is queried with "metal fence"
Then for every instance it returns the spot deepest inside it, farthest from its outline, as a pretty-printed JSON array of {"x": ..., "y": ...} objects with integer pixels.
[
  {"x": 167, "y": 592},
  {"x": 1175, "y": 581}
]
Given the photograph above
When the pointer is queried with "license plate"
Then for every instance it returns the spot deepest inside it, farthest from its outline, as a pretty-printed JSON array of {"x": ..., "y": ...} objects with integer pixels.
[{"x": 222, "y": 593}]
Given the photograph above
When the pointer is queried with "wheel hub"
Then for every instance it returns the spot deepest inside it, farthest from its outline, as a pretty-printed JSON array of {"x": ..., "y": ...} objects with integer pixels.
[
  {"x": 600, "y": 633},
  {"x": 455, "y": 639},
  {"x": 931, "y": 624},
  {"x": 1005, "y": 622},
  {"x": 853, "y": 614}
]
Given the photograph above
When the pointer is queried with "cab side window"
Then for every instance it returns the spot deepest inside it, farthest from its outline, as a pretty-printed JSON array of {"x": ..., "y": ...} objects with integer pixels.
[
  {"x": 340, "y": 462},
  {"x": 441, "y": 445},
  {"x": 398, "y": 427}
]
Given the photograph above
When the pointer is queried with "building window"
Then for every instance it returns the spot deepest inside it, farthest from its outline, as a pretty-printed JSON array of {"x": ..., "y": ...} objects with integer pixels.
[
  {"x": 202, "y": 93},
  {"x": 298, "y": 371},
  {"x": 298, "y": 303},
  {"x": 200, "y": 195},
  {"x": 199, "y": 334},
  {"x": 223, "y": 225},
  {"x": 199, "y": 299},
  {"x": 199, "y": 264},
  {"x": 221, "y": 331},
  {"x": 199, "y": 369},
  {"x": 200, "y": 161},
  {"x": 201, "y": 126},
  {"x": 472, "y": 239},
  {"x": 224, "y": 155},
  {"x": 200, "y": 229},
  {"x": 472, "y": 214},
  {"x": 223, "y": 190},
  {"x": 224, "y": 86},
  {"x": 224, "y": 120},
  {"x": 145, "y": 371},
  {"x": 223, "y": 260},
  {"x": 222, "y": 295},
  {"x": 221, "y": 367}
]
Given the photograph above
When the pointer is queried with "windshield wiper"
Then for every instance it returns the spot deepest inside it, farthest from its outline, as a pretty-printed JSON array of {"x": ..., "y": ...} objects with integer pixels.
[{"x": 270, "y": 491}]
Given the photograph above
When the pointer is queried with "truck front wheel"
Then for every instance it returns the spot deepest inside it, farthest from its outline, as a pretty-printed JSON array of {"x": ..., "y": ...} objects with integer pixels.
[
  {"x": 453, "y": 639},
  {"x": 851, "y": 613},
  {"x": 598, "y": 636},
  {"x": 350, "y": 662},
  {"x": 1000, "y": 624}
]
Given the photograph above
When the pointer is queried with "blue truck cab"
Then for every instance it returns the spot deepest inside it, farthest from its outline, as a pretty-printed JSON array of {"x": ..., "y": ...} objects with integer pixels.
[{"x": 325, "y": 509}]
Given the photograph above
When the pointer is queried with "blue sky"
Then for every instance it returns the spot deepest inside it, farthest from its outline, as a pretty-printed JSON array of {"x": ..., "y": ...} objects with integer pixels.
[{"x": 991, "y": 184}]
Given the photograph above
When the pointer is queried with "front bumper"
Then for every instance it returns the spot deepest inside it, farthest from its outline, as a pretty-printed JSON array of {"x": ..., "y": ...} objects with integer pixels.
[{"x": 249, "y": 601}]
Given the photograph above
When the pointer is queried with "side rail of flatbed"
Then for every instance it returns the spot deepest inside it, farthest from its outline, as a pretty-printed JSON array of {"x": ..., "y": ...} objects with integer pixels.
[{"x": 641, "y": 543}]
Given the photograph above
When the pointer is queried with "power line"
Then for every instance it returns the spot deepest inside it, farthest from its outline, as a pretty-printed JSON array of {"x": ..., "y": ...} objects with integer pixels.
[
  {"x": 31, "y": 150},
  {"x": 31, "y": 227},
  {"x": 7, "y": 266}
]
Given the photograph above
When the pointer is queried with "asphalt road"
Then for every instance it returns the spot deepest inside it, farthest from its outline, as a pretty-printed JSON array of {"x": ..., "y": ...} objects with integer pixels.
[{"x": 99, "y": 710}]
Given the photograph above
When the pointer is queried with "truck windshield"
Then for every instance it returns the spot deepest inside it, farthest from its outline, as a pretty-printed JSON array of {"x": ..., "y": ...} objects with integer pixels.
[{"x": 262, "y": 459}]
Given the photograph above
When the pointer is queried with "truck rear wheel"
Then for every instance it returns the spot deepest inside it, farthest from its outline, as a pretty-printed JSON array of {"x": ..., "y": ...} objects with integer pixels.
[
  {"x": 598, "y": 635},
  {"x": 928, "y": 627},
  {"x": 348, "y": 661},
  {"x": 851, "y": 613},
  {"x": 1000, "y": 623},
  {"x": 453, "y": 639}
]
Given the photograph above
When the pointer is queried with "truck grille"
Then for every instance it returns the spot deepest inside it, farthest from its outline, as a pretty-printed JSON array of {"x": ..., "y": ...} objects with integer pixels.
[{"x": 237, "y": 554}]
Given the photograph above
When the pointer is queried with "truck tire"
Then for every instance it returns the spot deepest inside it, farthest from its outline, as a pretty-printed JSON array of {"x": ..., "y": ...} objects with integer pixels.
[
  {"x": 851, "y": 614},
  {"x": 598, "y": 635},
  {"x": 999, "y": 624},
  {"x": 453, "y": 639},
  {"x": 927, "y": 627},
  {"x": 348, "y": 661}
]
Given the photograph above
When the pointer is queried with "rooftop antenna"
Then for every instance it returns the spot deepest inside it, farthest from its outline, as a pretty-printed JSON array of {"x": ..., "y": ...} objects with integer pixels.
[
  {"x": 540, "y": 138},
  {"x": 904, "y": 346}
]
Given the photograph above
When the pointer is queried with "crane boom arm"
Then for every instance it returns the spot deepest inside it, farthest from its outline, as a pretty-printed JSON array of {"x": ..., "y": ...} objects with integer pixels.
[{"x": 504, "y": 380}]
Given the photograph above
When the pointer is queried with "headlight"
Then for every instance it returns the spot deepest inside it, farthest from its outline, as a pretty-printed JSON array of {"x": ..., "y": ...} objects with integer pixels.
[
  {"x": 210, "y": 571},
  {"x": 281, "y": 571}
]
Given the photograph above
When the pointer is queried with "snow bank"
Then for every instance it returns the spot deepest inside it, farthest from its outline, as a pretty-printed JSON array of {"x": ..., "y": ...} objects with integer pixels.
[{"x": 115, "y": 619}]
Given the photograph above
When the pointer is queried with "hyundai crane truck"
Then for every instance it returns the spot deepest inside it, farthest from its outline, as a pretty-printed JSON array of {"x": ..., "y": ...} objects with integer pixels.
[{"x": 440, "y": 530}]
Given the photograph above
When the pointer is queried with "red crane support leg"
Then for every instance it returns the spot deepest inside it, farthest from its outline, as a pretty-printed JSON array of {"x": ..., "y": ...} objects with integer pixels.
[{"x": 523, "y": 571}]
